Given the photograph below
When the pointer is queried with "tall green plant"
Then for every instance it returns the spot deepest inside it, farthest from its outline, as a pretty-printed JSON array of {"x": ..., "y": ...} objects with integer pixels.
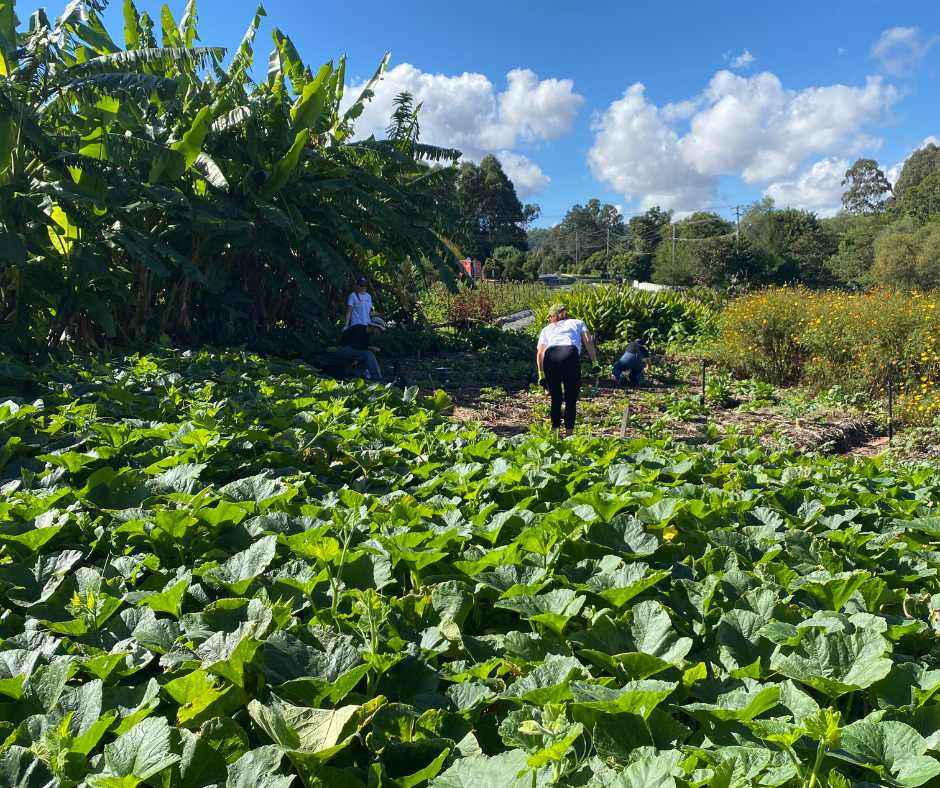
[
  {"x": 627, "y": 313},
  {"x": 154, "y": 188}
]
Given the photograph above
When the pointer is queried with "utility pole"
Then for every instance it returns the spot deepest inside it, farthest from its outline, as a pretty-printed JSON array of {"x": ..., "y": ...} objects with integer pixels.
[
  {"x": 737, "y": 224},
  {"x": 673, "y": 244},
  {"x": 608, "y": 243},
  {"x": 577, "y": 249}
]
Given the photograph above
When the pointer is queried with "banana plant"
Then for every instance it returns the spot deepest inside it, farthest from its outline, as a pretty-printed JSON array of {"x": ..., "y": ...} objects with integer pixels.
[{"x": 152, "y": 188}]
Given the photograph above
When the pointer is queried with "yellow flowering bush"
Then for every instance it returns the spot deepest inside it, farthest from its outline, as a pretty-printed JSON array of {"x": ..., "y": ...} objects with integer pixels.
[
  {"x": 759, "y": 335},
  {"x": 793, "y": 335}
]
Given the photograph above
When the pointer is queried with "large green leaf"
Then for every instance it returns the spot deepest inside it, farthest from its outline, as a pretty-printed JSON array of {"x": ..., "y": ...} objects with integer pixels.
[
  {"x": 142, "y": 752},
  {"x": 636, "y": 697},
  {"x": 548, "y": 682},
  {"x": 238, "y": 572},
  {"x": 20, "y": 768},
  {"x": 741, "y": 704},
  {"x": 509, "y": 769},
  {"x": 312, "y": 734},
  {"x": 619, "y": 585},
  {"x": 310, "y": 105},
  {"x": 285, "y": 166},
  {"x": 889, "y": 748},
  {"x": 836, "y": 662},
  {"x": 553, "y": 609},
  {"x": 255, "y": 769}
]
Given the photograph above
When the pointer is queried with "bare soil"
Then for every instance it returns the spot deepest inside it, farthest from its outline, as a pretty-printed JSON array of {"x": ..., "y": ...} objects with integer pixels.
[{"x": 512, "y": 407}]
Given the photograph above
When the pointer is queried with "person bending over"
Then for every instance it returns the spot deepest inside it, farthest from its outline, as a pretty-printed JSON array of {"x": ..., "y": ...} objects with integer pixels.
[
  {"x": 632, "y": 361},
  {"x": 558, "y": 357}
]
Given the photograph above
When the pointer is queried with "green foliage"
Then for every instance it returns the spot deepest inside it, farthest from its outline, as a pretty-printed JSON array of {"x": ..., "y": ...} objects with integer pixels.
[
  {"x": 152, "y": 191},
  {"x": 490, "y": 212},
  {"x": 510, "y": 263},
  {"x": 506, "y": 298},
  {"x": 851, "y": 265},
  {"x": 868, "y": 189},
  {"x": 581, "y": 242},
  {"x": 922, "y": 202},
  {"x": 625, "y": 313},
  {"x": 647, "y": 231},
  {"x": 918, "y": 166},
  {"x": 787, "y": 246},
  {"x": 719, "y": 389},
  {"x": 704, "y": 252},
  {"x": 908, "y": 257},
  {"x": 224, "y": 570}
]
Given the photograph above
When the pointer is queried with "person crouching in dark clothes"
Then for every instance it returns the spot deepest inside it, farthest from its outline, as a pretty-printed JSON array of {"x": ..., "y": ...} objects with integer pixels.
[
  {"x": 633, "y": 361},
  {"x": 355, "y": 341},
  {"x": 559, "y": 361}
]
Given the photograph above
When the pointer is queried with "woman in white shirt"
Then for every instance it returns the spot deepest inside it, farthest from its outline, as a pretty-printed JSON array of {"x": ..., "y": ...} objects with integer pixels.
[
  {"x": 559, "y": 361},
  {"x": 359, "y": 305}
]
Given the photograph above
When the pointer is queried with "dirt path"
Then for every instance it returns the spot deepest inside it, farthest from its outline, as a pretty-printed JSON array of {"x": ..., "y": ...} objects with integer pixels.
[
  {"x": 509, "y": 405},
  {"x": 612, "y": 411}
]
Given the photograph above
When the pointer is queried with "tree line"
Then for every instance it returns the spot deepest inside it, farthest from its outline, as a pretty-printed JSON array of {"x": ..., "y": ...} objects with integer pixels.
[{"x": 884, "y": 235}]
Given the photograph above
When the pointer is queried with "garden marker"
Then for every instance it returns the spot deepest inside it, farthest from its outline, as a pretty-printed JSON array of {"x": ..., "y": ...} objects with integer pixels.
[
  {"x": 624, "y": 420},
  {"x": 890, "y": 407},
  {"x": 703, "y": 381}
]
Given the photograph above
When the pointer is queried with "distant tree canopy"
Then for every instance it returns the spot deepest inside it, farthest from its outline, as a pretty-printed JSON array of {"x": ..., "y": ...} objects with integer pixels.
[
  {"x": 594, "y": 237},
  {"x": 908, "y": 257},
  {"x": 920, "y": 164},
  {"x": 922, "y": 202},
  {"x": 491, "y": 212},
  {"x": 852, "y": 262},
  {"x": 788, "y": 245},
  {"x": 508, "y": 262},
  {"x": 868, "y": 188},
  {"x": 645, "y": 234},
  {"x": 703, "y": 252},
  {"x": 883, "y": 236}
]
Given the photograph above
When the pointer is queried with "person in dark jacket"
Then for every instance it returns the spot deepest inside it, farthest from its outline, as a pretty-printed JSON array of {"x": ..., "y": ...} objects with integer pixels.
[
  {"x": 355, "y": 345},
  {"x": 633, "y": 361}
]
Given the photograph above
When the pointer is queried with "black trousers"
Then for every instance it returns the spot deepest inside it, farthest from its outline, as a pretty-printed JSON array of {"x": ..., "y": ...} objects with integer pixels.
[{"x": 562, "y": 366}]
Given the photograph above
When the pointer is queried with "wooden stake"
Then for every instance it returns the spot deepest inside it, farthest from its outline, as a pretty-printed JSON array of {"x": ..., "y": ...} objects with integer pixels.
[
  {"x": 890, "y": 407},
  {"x": 703, "y": 381},
  {"x": 625, "y": 420}
]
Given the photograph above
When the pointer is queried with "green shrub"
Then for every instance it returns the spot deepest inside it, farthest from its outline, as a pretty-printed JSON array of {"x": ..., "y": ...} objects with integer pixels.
[
  {"x": 502, "y": 298},
  {"x": 850, "y": 340},
  {"x": 625, "y": 314}
]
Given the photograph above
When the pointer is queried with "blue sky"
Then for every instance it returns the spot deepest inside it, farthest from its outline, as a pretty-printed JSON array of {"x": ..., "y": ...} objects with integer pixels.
[{"x": 687, "y": 105}]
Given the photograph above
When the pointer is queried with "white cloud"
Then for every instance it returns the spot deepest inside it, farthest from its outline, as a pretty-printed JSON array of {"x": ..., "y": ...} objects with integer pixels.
[
  {"x": 466, "y": 111},
  {"x": 680, "y": 110},
  {"x": 818, "y": 188},
  {"x": 755, "y": 127},
  {"x": 894, "y": 172},
  {"x": 524, "y": 173},
  {"x": 751, "y": 127},
  {"x": 637, "y": 153},
  {"x": 899, "y": 49},
  {"x": 538, "y": 109},
  {"x": 742, "y": 60}
]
